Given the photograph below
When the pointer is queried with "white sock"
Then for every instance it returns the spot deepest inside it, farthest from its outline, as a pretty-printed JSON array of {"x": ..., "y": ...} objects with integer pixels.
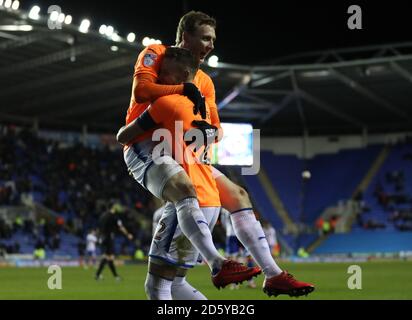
[
  {"x": 194, "y": 226},
  {"x": 182, "y": 290},
  {"x": 158, "y": 288},
  {"x": 250, "y": 233}
]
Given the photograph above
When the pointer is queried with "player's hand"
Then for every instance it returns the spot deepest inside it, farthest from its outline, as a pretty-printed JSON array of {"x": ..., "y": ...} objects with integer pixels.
[
  {"x": 201, "y": 107},
  {"x": 193, "y": 93},
  {"x": 130, "y": 236},
  {"x": 210, "y": 132}
]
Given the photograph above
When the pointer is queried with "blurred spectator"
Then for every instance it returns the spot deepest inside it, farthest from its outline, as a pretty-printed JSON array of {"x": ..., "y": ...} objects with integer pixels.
[
  {"x": 72, "y": 180},
  {"x": 373, "y": 224},
  {"x": 28, "y": 227},
  {"x": 81, "y": 250},
  {"x": 405, "y": 226},
  {"x": 5, "y": 230},
  {"x": 319, "y": 225},
  {"x": 16, "y": 247},
  {"x": 55, "y": 241},
  {"x": 39, "y": 254},
  {"x": 359, "y": 219},
  {"x": 302, "y": 253},
  {"x": 401, "y": 215},
  {"x": 18, "y": 223},
  {"x": 326, "y": 228},
  {"x": 139, "y": 255},
  {"x": 333, "y": 221},
  {"x": 40, "y": 244}
]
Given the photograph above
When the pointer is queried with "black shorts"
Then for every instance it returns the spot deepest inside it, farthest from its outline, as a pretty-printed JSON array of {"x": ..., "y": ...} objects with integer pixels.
[{"x": 108, "y": 246}]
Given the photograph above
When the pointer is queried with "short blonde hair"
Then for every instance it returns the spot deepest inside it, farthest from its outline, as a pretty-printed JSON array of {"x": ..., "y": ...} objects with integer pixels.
[{"x": 191, "y": 21}]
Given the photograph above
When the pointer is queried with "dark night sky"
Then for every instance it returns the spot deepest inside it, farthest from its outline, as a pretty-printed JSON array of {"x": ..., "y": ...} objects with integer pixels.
[{"x": 250, "y": 32}]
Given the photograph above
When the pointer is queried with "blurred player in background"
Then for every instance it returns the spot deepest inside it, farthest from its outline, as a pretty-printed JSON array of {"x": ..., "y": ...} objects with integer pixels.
[
  {"x": 91, "y": 241},
  {"x": 109, "y": 224},
  {"x": 81, "y": 249}
]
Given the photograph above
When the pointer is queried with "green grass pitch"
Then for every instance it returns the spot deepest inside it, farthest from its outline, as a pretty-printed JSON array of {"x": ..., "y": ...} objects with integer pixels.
[{"x": 380, "y": 280}]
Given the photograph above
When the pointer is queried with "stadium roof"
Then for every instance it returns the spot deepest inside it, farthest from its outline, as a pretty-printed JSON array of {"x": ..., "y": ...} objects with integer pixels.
[{"x": 66, "y": 79}]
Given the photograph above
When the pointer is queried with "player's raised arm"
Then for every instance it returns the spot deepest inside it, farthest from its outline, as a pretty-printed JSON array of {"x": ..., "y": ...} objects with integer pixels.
[
  {"x": 147, "y": 68},
  {"x": 155, "y": 114},
  {"x": 145, "y": 86},
  {"x": 145, "y": 89}
]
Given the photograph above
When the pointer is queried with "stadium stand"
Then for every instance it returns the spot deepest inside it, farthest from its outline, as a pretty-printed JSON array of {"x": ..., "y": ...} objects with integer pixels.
[
  {"x": 388, "y": 199},
  {"x": 285, "y": 172},
  {"x": 327, "y": 186},
  {"x": 335, "y": 177},
  {"x": 366, "y": 242},
  {"x": 75, "y": 184}
]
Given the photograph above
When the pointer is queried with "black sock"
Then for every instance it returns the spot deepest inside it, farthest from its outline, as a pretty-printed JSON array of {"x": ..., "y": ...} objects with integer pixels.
[
  {"x": 101, "y": 266},
  {"x": 113, "y": 268}
]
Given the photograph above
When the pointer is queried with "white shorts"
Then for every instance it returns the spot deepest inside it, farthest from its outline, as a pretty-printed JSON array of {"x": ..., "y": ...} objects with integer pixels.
[
  {"x": 91, "y": 253},
  {"x": 146, "y": 171},
  {"x": 170, "y": 245}
]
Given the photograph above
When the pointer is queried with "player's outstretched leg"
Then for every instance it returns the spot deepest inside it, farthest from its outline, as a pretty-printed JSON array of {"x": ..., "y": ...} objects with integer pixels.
[
  {"x": 233, "y": 272},
  {"x": 112, "y": 267},
  {"x": 250, "y": 233},
  {"x": 99, "y": 271},
  {"x": 193, "y": 224}
]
